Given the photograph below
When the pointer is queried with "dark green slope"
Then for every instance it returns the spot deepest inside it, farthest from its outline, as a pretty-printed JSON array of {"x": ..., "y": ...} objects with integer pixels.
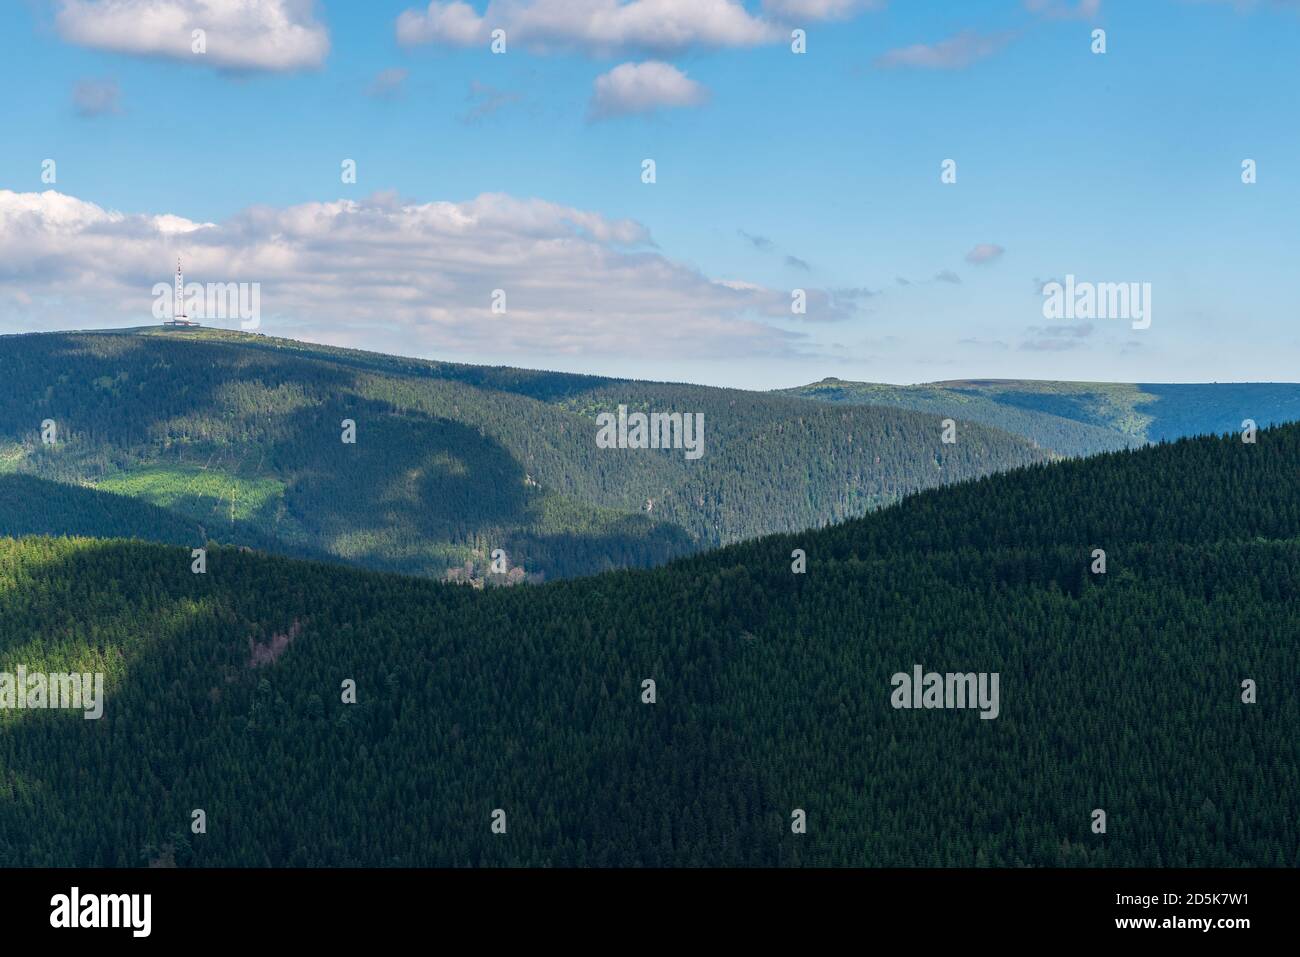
[
  {"x": 1080, "y": 418},
  {"x": 1118, "y": 691},
  {"x": 1179, "y": 409},
  {"x": 451, "y": 462},
  {"x": 35, "y": 506},
  {"x": 846, "y": 463}
]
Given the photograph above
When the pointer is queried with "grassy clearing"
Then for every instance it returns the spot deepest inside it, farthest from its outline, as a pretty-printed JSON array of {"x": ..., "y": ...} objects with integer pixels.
[{"x": 202, "y": 493}]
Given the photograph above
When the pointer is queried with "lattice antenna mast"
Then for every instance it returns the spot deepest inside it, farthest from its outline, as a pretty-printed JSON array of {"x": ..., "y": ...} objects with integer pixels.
[{"x": 178, "y": 309}]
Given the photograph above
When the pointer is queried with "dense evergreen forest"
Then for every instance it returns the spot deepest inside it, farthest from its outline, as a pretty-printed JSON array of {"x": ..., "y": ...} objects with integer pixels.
[
  {"x": 1080, "y": 418},
  {"x": 1120, "y": 691},
  {"x": 243, "y": 435}
]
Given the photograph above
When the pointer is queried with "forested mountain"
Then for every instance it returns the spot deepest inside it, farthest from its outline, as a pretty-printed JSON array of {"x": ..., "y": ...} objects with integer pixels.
[
  {"x": 35, "y": 506},
  {"x": 245, "y": 435},
  {"x": 1120, "y": 691},
  {"x": 1080, "y": 418}
]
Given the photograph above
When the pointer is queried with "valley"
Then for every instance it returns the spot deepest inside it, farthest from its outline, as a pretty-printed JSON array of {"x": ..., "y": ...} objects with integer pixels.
[
  {"x": 241, "y": 434},
  {"x": 399, "y": 714}
]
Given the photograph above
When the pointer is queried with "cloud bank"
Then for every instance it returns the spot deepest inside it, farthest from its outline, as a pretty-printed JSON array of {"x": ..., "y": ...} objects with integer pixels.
[
  {"x": 615, "y": 27},
  {"x": 382, "y": 273}
]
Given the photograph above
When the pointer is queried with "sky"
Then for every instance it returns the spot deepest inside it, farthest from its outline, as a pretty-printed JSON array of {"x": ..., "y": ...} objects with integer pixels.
[{"x": 500, "y": 212}]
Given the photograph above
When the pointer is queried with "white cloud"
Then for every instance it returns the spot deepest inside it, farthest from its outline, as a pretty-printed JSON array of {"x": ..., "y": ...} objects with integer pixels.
[
  {"x": 596, "y": 27},
  {"x": 643, "y": 88},
  {"x": 240, "y": 34},
  {"x": 407, "y": 277},
  {"x": 954, "y": 53},
  {"x": 452, "y": 24}
]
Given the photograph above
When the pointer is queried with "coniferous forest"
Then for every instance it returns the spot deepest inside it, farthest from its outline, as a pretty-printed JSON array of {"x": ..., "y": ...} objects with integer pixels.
[
  {"x": 581, "y": 468},
  {"x": 770, "y": 662},
  {"x": 242, "y": 434}
]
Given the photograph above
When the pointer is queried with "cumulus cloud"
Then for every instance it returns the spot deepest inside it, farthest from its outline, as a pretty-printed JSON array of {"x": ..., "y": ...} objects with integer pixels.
[
  {"x": 984, "y": 253},
  {"x": 954, "y": 53},
  {"x": 275, "y": 35},
  {"x": 450, "y": 24},
  {"x": 606, "y": 28},
  {"x": 384, "y": 273},
  {"x": 632, "y": 88},
  {"x": 594, "y": 27},
  {"x": 96, "y": 98}
]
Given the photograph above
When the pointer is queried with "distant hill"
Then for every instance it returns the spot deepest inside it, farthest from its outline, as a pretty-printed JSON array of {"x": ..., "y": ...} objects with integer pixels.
[
  {"x": 243, "y": 434},
  {"x": 1120, "y": 691},
  {"x": 1080, "y": 418}
]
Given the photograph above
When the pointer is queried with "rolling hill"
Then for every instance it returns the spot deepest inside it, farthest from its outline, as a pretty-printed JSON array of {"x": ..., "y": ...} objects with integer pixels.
[
  {"x": 1080, "y": 418},
  {"x": 244, "y": 435},
  {"x": 1120, "y": 691}
]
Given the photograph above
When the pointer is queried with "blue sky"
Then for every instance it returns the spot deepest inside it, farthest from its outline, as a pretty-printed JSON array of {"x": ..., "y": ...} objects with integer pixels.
[{"x": 775, "y": 171}]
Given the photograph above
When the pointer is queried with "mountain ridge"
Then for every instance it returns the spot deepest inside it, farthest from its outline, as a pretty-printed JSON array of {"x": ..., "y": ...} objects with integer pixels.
[
  {"x": 532, "y": 700},
  {"x": 451, "y": 462},
  {"x": 1080, "y": 418}
]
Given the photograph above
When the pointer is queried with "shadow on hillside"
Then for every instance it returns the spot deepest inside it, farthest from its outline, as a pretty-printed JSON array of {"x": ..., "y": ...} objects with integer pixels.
[
  {"x": 414, "y": 483},
  {"x": 1192, "y": 409}
]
